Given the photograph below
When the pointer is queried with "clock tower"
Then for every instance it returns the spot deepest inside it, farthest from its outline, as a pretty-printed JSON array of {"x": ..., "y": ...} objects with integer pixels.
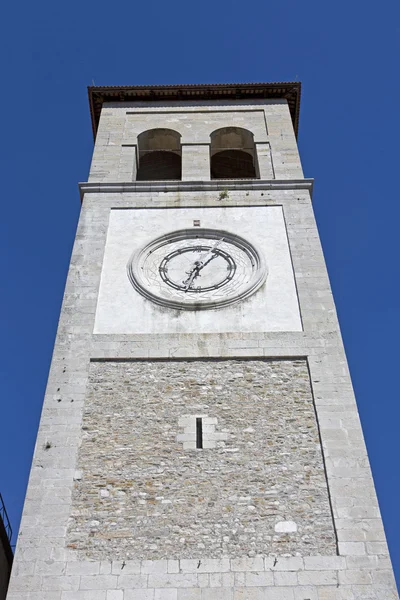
[{"x": 199, "y": 437}]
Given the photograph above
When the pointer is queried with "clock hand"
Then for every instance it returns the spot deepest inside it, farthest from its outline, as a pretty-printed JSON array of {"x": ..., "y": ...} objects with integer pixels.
[
  {"x": 203, "y": 259},
  {"x": 195, "y": 271},
  {"x": 192, "y": 275},
  {"x": 209, "y": 260},
  {"x": 200, "y": 264}
]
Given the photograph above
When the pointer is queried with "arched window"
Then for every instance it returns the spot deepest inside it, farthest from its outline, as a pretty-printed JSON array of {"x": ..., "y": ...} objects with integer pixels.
[
  {"x": 233, "y": 154},
  {"x": 160, "y": 155}
]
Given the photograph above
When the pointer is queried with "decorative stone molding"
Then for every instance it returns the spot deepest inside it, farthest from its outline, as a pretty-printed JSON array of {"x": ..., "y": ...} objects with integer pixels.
[{"x": 204, "y": 186}]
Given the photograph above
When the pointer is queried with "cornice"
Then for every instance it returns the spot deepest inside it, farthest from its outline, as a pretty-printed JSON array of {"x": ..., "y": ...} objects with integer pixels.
[
  {"x": 287, "y": 90},
  {"x": 194, "y": 186}
]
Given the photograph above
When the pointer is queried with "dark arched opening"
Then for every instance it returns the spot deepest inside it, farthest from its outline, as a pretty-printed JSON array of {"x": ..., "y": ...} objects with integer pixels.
[
  {"x": 233, "y": 154},
  {"x": 160, "y": 155}
]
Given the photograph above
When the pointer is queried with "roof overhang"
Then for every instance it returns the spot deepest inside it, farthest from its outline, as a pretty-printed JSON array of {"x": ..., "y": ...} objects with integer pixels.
[{"x": 289, "y": 91}]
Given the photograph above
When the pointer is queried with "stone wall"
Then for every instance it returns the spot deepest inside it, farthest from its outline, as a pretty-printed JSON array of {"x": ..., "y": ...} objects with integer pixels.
[
  {"x": 140, "y": 494},
  {"x": 46, "y": 567},
  {"x": 115, "y": 151}
]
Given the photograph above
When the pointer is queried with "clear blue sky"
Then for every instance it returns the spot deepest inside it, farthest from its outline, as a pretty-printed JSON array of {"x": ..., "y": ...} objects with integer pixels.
[{"x": 345, "y": 53}]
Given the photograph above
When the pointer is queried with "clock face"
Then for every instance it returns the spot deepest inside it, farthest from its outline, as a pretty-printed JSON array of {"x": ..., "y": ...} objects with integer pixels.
[{"x": 196, "y": 269}]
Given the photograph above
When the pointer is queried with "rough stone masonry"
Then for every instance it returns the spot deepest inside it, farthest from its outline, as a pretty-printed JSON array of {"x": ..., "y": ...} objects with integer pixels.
[{"x": 140, "y": 494}]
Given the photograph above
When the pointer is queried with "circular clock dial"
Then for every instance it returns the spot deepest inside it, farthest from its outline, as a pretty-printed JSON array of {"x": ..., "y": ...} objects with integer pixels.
[{"x": 197, "y": 269}]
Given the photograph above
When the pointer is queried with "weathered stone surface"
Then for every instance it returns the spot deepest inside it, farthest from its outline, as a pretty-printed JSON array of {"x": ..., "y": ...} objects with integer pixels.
[
  {"x": 55, "y": 470},
  {"x": 143, "y": 496}
]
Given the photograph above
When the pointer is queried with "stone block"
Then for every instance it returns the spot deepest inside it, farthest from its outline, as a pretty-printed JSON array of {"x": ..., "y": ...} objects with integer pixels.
[
  {"x": 172, "y": 580},
  {"x": 264, "y": 578},
  {"x": 243, "y": 593},
  {"x": 105, "y": 567},
  {"x": 128, "y": 567},
  {"x": 384, "y": 577},
  {"x": 204, "y": 565},
  {"x": 25, "y": 583},
  {"x": 286, "y": 527},
  {"x": 247, "y": 564},
  {"x": 203, "y": 580},
  {"x": 379, "y": 548},
  {"x": 351, "y": 548},
  {"x": 189, "y": 594},
  {"x": 154, "y": 566},
  {"x": 78, "y": 567},
  {"x": 285, "y": 563},
  {"x": 363, "y": 562},
  {"x": 24, "y": 568},
  {"x": 222, "y": 579},
  {"x": 335, "y": 593},
  {"x": 305, "y": 593},
  {"x": 317, "y": 577},
  {"x": 355, "y": 577},
  {"x": 34, "y": 595},
  {"x": 115, "y": 595},
  {"x": 84, "y": 595},
  {"x": 368, "y": 592},
  {"x": 139, "y": 594},
  {"x": 98, "y": 582},
  {"x": 64, "y": 583},
  {"x": 322, "y": 563},
  {"x": 193, "y": 445},
  {"x": 173, "y": 566},
  {"x": 186, "y": 437},
  {"x": 282, "y": 578},
  {"x": 131, "y": 581},
  {"x": 263, "y": 593},
  {"x": 165, "y": 594},
  {"x": 240, "y": 579},
  {"x": 216, "y": 594}
]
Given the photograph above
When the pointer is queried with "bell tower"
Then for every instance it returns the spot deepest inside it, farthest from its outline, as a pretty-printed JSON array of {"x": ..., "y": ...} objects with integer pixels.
[{"x": 199, "y": 438}]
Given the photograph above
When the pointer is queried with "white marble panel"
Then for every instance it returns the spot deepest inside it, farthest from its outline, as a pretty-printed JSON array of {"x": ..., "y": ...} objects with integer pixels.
[{"x": 122, "y": 310}]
